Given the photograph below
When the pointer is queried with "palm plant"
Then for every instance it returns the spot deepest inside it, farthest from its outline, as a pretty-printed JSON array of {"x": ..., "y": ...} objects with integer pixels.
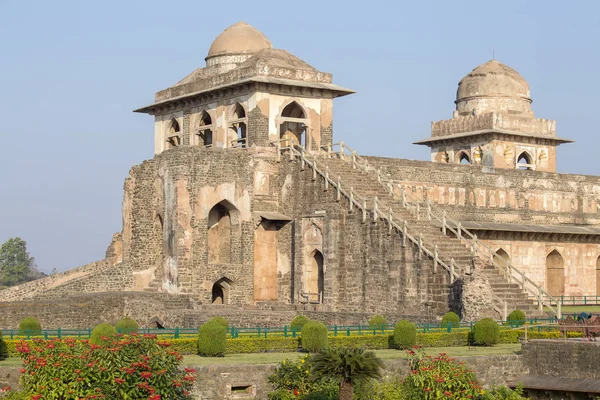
[{"x": 347, "y": 366}]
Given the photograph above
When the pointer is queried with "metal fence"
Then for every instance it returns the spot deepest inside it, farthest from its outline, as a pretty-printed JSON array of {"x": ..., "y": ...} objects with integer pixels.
[{"x": 261, "y": 332}]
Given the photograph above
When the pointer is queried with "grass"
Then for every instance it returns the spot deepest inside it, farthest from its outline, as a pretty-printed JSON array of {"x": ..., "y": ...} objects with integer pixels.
[
  {"x": 273, "y": 358},
  {"x": 11, "y": 362},
  {"x": 577, "y": 309}
]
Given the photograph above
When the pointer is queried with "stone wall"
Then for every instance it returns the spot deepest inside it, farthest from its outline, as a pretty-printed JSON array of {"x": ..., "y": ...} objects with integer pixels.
[{"x": 562, "y": 359}]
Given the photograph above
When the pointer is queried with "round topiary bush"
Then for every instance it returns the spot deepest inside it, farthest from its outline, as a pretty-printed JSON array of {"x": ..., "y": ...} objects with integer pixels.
[
  {"x": 3, "y": 348},
  {"x": 101, "y": 331},
  {"x": 486, "y": 332},
  {"x": 450, "y": 319},
  {"x": 314, "y": 336},
  {"x": 30, "y": 326},
  {"x": 127, "y": 326},
  {"x": 222, "y": 321},
  {"x": 212, "y": 337},
  {"x": 377, "y": 321},
  {"x": 405, "y": 334},
  {"x": 298, "y": 322},
  {"x": 516, "y": 318}
]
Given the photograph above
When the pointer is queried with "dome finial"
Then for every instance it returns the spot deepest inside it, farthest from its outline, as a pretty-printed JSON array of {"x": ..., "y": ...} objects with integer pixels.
[{"x": 239, "y": 38}]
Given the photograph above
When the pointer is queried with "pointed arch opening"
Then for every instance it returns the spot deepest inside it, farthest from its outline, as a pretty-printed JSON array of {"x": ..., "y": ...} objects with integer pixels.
[
  {"x": 205, "y": 129},
  {"x": 525, "y": 161},
  {"x": 315, "y": 277},
  {"x": 220, "y": 292},
  {"x": 220, "y": 220},
  {"x": 293, "y": 125},
  {"x": 555, "y": 274},
  {"x": 237, "y": 126},
  {"x": 501, "y": 257},
  {"x": 598, "y": 276},
  {"x": 463, "y": 158},
  {"x": 173, "y": 134},
  {"x": 158, "y": 233}
]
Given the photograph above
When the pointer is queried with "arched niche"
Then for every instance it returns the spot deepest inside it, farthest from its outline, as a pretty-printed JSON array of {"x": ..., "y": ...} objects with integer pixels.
[
  {"x": 293, "y": 125},
  {"x": 501, "y": 257},
  {"x": 555, "y": 274},
  {"x": 159, "y": 237},
  {"x": 220, "y": 293},
  {"x": 221, "y": 218},
  {"x": 315, "y": 277}
]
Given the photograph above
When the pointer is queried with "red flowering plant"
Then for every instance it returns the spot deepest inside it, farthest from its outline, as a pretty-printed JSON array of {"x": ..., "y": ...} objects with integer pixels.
[
  {"x": 124, "y": 367},
  {"x": 439, "y": 377}
]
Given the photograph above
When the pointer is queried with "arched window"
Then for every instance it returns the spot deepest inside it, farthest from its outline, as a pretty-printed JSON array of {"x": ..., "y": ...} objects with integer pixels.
[
  {"x": 219, "y": 235},
  {"x": 463, "y": 158},
  {"x": 220, "y": 291},
  {"x": 524, "y": 161},
  {"x": 205, "y": 129},
  {"x": 173, "y": 134},
  {"x": 501, "y": 257},
  {"x": 293, "y": 124},
  {"x": 315, "y": 277},
  {"x": 555, "y": 274},
  {"x": 237, "y": 126},
  {"x": 598, "y": 276}
]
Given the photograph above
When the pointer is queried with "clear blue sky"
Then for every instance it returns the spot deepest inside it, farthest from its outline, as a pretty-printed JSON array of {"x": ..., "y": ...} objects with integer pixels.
[{"x": 72, "y": 71}]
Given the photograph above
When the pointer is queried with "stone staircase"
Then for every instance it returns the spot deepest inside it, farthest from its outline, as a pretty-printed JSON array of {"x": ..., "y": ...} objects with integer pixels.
[{"x": 449, "y": 248}]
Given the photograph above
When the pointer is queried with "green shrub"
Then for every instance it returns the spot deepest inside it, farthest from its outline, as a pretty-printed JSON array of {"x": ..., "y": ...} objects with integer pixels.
[
  {"x": 293, "y": 381},
  {"x": 405, "y": 334},
  {"x": 3, "y": 348},
  {"x": 377, "y": 321},
  {"x": 371, "y": 342},
  {"x": 314, "y": 336},
  {"x": 450, "y": 319},
  {"x": 127, "y": 326},
  {"x": 222, "y": 321},
  {"x": 30, "y": 326},
  {"x": 101, "y": 333},
  {"x": 212, "y": 339},
  {"x": 298, "y": 322},
  {"x": 516, "y": 318},
  {"x": 486, "y": 332}
]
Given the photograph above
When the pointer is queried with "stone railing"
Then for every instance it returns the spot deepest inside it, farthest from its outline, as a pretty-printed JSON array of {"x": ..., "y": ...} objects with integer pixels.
[{"x": 432, "y": 213}]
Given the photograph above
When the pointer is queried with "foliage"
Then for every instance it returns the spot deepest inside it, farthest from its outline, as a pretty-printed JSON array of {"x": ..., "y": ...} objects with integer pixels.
[
  {"x": 102, "y": 333},
  {"x": 3, "y": 348},
  {"x": 212, "y": 339},
  {"x": 127, "y": 326},
  {"x": 131, "y": 367},
  {"x": 486, "y": 332},
  {"x": 516, "y": 318},
  {"x": 503, "y": 393},
  {"x": 16, "y": 266},
  {"x": 292, "y": 380},
  {"x": 222, "y": 321},
  {"x": 439, "y": 377},
  {"x": 377, "y": 321},
  {"x": 298, "y": 322},
  {"x": 371, "y": 342},
  {"x": 405, "y": 334},
  {"x": 450, "y": 318},
  {"x": 262, "y": 345},
  {"x": 314, "y": 336},
  {"x": 30, "y": 326},
  {"x": 346, "y": 366}
]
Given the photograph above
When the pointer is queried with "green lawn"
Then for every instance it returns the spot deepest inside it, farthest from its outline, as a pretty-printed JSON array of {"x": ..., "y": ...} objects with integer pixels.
[
  {"x": 11, "y": 362},
  {"x": 272, "y": 358},
  {"x": 577, "y": 309}
]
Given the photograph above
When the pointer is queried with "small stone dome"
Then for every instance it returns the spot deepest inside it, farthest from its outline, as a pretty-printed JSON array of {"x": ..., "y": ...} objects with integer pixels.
[
  {"x": 493, "y": 87},
  {"x": 239, "y": 38}
]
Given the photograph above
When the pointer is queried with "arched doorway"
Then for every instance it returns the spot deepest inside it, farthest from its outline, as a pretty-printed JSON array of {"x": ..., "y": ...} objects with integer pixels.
[
  {"x": 220, "y": 291},
  {"x": 292, "y": 128},
  {"x": 315, "y": 278},
  {"x": 598, "y": 276},
  {"x": 219, "y": 235},
  {"x": 524, "y": 161},
  {"x": 555, "y": 274}
]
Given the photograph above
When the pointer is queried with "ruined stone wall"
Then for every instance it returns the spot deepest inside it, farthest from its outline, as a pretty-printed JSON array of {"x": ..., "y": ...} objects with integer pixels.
[{"x": 471, "y": 193}]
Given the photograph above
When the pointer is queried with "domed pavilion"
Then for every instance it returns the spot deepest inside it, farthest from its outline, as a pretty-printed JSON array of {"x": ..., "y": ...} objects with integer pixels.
[{"x": 493, "y": 124}]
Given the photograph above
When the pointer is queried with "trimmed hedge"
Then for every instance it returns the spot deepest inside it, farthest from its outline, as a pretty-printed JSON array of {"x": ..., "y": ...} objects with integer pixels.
[
  {"x": 100, "y": 331},
  {"x": 263, "y": 345},
  {"x": 3, "y": 348},
  {"x": 371, "y": 342},
  {"x": 405, "y": 334},
  {"x": 222, "y": 321},
  {"x": 516, "y": 318},
  {"x": 314, "y": 336},
  {"x": 127, "y": 326},
  {"x": 298, "y": 322},
  {"x": 452, "y": 319},
  {"x": 212, "y": 339},
  {"x": 30, "y": 326},
  {"x": 486, "y": 332},
  {"x": 377, "y": 321}
]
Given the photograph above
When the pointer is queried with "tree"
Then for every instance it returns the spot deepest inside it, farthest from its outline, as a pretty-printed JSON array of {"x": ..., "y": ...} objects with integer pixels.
[
  {"x": 16, "y": 265},
  {"x": 347, "y": 366}
]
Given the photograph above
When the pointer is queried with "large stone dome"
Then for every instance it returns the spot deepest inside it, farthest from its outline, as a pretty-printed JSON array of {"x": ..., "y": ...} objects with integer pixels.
[
  {"x": 493, "y": 87},
  {"x": 239, "y": 39}
]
